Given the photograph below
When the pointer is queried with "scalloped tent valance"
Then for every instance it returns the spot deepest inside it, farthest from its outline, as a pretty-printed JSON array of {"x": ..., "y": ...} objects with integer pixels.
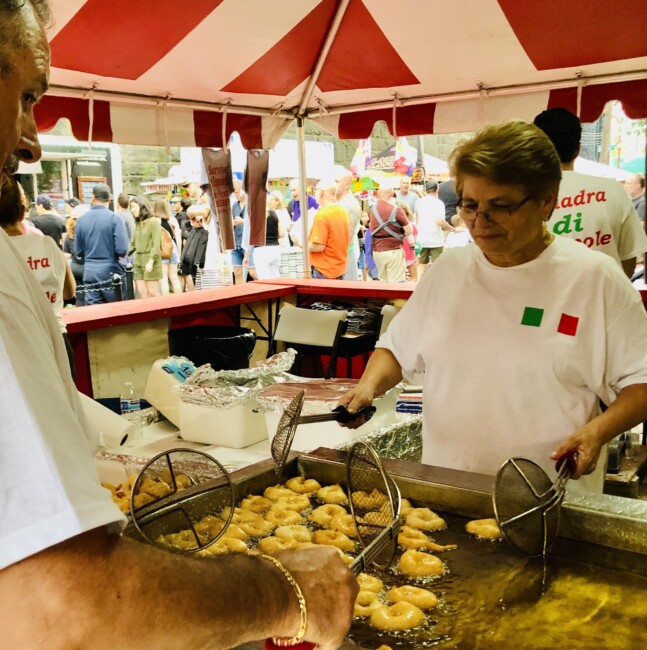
[{"x": 164, "y": 72}]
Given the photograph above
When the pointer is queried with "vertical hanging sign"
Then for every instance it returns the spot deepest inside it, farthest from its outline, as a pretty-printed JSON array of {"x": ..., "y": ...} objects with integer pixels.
[{"x": 218, "y": 168}]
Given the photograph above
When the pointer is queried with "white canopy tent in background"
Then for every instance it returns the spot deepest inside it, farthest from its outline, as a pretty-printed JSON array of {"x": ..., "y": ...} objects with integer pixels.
[{"x": 166, "y": 72}]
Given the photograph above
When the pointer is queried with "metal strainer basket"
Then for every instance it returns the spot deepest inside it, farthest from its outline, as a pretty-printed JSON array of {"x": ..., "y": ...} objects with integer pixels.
[
  {"x": 372, "y": 492},
  {"x": 182, "y": 490},
  {"x": 292, "y": 418},
  {"x": 527, "y": 504}
]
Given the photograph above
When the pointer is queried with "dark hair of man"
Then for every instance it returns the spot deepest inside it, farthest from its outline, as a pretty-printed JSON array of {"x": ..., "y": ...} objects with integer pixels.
[
  {"x": 123, "y": 201},
  {"x": 564, "y": 129},
  {"x": 14, "y": 32},
  {"x": 186, "y": 203},
  {"x": 11, "y": 207}
]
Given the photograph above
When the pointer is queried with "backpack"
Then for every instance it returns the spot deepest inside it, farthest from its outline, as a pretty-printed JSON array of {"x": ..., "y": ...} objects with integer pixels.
[{"x": 166, "y": 245}]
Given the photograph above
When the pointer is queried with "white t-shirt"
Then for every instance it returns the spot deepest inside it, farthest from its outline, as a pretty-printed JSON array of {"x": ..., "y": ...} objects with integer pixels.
[
  {"x": 515, "y": 358},
  {"x": 458, "y": 238},
  {"x": 48, "y": 265},
  {"x": 286, "y": 221},
  {"x": 49, "y": 488},
  {"x": 597, "y": 212},
  {"x": 349, "y": 202},
  {"x": 430, "y": 210}
]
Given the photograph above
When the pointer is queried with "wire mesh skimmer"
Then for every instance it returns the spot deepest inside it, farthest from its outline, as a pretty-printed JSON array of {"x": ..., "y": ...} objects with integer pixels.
[
  {"x": 182, "y": 490},
  {"x": 375, "y": 506},
  {"x": 527, "y": 503},
  {"x": 292, "y": 418}
]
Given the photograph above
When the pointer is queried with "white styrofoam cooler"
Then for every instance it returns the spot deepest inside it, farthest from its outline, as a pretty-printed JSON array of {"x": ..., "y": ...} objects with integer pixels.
[
  {"x": 160, "y": 392},
  {"x": 237, "y": 427},
  {"x": 330, "y": 434}
]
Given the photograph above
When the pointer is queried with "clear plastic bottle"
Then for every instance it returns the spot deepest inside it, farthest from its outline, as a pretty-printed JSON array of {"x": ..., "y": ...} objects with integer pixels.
[{"x": 131, "y": 410}]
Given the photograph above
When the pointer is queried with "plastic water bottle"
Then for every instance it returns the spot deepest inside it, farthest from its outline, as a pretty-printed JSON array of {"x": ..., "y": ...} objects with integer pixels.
[{"x": 131, "y": 410}]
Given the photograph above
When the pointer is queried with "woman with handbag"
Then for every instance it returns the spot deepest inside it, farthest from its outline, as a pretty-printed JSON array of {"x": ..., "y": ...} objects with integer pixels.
[{"x": 170, "y": 254}]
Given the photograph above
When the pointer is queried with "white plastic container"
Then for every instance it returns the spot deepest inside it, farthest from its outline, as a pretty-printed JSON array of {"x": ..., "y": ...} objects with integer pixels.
[
  {"x": 160, "y": 392},
  {"x": 330, "y": 434},
  {"x": 236, "y": 427}
]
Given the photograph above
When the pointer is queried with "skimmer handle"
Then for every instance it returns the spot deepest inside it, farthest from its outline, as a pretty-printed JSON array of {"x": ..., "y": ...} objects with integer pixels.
[{"x": 569, "y": 459}]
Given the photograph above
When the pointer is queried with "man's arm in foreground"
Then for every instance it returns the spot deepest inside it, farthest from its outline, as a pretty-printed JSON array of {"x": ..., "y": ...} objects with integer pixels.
[{"x": 98, "y": 592}]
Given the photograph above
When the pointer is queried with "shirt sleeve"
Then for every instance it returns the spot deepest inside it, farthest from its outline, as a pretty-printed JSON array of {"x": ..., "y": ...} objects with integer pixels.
[
  {"x": 319, "y": 230},
  {"x": 633, "y": 240},
  {"x": 404, "y": 330},
  {"x": 49, "y": 487},
  {"x": 156, "y": 239},
  {"x": 120, "y": 234}
]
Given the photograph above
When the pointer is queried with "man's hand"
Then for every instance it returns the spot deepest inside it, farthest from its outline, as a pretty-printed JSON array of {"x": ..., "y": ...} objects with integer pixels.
[
  {"x": 238, "y": 221},
  {"x": 330, "y": 590},
  {"x": 149, "y": 266}
]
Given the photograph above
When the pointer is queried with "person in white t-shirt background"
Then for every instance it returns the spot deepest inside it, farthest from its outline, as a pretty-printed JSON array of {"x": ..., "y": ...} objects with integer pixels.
[
  {"x": 548, "y": 328},
  {"x": 594, "y": 211},
  {"x": 41, "y": 254},
  {"x": 458, "y": 237},
  {"x": 431, "y": 224}
]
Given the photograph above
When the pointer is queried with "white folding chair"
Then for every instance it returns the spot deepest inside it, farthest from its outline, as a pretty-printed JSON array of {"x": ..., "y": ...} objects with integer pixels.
[{"x": 311, "y": 330}]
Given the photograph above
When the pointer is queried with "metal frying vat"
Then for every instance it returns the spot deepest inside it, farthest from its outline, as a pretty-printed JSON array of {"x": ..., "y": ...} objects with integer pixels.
[{"x": 589, "y": 529}]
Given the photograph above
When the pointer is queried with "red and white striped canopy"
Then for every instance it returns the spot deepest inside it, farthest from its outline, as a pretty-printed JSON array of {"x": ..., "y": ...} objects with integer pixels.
[{"x": 163, "y": 71}]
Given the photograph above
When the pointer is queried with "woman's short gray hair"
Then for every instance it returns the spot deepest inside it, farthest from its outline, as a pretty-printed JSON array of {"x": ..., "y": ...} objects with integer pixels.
[{"x": 514, "y": 153}]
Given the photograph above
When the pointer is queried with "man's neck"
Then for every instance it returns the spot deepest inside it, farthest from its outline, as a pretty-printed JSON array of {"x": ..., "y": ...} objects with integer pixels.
[{"x": 568, "y": 166}]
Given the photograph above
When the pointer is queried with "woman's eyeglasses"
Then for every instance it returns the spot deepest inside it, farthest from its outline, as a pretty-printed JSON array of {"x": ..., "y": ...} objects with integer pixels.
[{"x": 496, "y": 213}]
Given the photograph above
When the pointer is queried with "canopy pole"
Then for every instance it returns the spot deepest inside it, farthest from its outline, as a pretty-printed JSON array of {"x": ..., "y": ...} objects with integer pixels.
[
  {"x": 303, "y": 195},
  {"x": 323, "y": 54}
]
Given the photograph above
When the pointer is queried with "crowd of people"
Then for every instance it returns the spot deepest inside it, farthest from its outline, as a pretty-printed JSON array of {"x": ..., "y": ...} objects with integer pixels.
[{"x": 392, "y": 235}]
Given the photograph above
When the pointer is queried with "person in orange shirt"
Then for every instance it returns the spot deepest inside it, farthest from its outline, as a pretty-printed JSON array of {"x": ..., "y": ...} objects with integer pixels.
[{"x": 329, "y": 235}]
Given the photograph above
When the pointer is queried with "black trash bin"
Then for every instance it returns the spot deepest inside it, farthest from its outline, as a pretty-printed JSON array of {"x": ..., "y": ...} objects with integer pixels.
[{"x": 225, "y": 348}]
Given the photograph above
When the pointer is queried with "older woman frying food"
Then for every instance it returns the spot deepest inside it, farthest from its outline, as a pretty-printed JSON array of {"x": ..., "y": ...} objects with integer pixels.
[{"x": 520, "y": 335}]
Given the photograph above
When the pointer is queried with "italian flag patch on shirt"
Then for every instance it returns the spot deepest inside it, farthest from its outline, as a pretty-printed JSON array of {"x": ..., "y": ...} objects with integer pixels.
[{"x": 533, "y": 316}]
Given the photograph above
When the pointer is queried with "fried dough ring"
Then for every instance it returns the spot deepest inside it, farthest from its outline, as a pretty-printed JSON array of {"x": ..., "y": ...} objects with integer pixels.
[
  {"x": 241, "y": 515},
  {"x": 297, "y": 533},
  {"x": 302, "y": 485},
  {"x": 413, "y": 538},
  {"x": 484, "y": 528},
  {"x": 332, "y": 494},
  {"x": 421, "y": 565},
  {"x": 368, "y": 582},
  {"x": 324, "y": 514},
  {"x": 425, "y": 519},
  {"x": 405, "y": 507},
  {"x": 236, "y": 532},
  {"x": 225, "y": 545},
  {"x": 277, "y": 492},
  {"x": 401, "y": 616},
  {"x": 421, "y": 598},
  {"x": 209, "y": 526},
  {"x": 333, "y": 538},
  {"x": 257, "y": 528},
  {"x": 296, "y": 502},
  {"x": 273, "y": 544},
  {"x": 256, "y": 503},
  {"x": 365, "y": 604},
  {"x": 344, "y": 524},
  {"x": 280, "y": 516}
]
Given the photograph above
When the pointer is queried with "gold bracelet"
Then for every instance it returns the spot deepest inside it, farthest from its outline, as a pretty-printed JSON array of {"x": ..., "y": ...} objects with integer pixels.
[{"x": 303, "y": 610}]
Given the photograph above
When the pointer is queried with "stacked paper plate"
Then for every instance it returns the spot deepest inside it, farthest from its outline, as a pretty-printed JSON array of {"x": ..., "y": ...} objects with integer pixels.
[{"x": 410, "y": 401}]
